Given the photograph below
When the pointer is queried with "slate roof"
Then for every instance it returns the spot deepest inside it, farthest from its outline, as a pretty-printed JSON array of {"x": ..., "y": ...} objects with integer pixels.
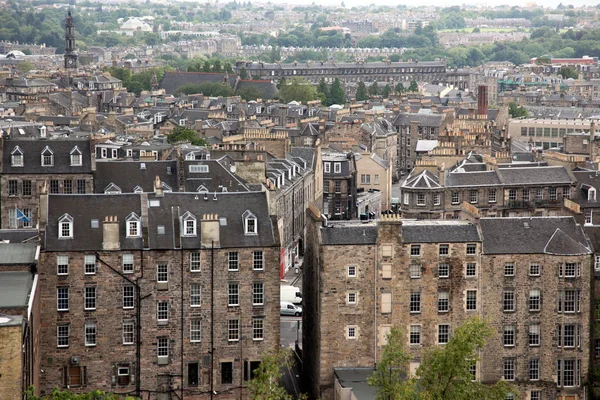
[
  {"x": 219, "y": 176},
  {"x": 172, "y": 80},
  {"x": 585, "y": 181},
  {"x": 18, "y": 235},
  {"x": 129, "y": 174},
  {"x": 424, "y": 179},
  {"x": 533, "y": 235},
  {"x": 535, "y": 176},
  {"x": 15, "y": 287},
  {"x": 458, "y": 179},
  {"x": 343, "y": 235},
  {"x": 356, "y": 379},
  {"x": 305, "y": 153},
  {"x": 18, "y": 253},
  {"x": 32, "y": 150},
  {"x": 231, "y": 206},
  {"x": 432, "y": 120},
  {"x": 439, "y": 232}
]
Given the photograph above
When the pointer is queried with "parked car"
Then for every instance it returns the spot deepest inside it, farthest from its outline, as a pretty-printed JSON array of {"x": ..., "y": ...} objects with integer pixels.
[{"x": 288, "y": 308}]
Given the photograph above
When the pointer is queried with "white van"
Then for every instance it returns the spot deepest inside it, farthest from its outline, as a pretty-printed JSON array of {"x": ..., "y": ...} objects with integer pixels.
[
  {"x": 288, "y": 308},
  {"x": 291, "y": 294}
]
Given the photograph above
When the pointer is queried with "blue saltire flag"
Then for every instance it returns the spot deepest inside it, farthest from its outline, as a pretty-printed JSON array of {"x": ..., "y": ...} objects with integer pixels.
[{"x": 22, "y": 217}]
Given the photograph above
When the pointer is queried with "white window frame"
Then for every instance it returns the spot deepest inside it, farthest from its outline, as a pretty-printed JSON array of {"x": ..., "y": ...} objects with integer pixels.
[
  {"x": 188, "y": 220},
  {"x": 43, "y": 155},
  {"x": 92, "y": 296},
  {"x": 258, "y": 293},
  {"x": 89, "y": 260},
  {"x": 233, "y": 294},
  {"x": 414, "y": 335},
  {"x": 446, "y": 270},
  {"x": 133, "y": 226},
  {"x": 195, "y": 295},
  {"x": 128, "y": 265},
  {"x": 162, "y": 347},
  {"x": 233, "y": 330},
  {"x": 445, "y": 334},
  {"x": 128, "y": 297},
  {"x": 352, "y": 332},
  {"x": 195, "y": 331},
  {"x": 65, "y": 227},
  {"x": 76, "y": 157},
  {"x": 337, "y": 168},
  {"x": 327, "y": 167},
  {"x": 250, "y": 228},
  {"x": 128, "y": 330},
  {"x": 162, "y": 311},
  {"x": 64, "y": 297},
  {"x": 258, "y": 329},
  {"x": 91, "y": 332},
  {"x": 443, "y": 304},
  {"x": 15, "y": 161},
  {"x": 352, "y": 271},
  {"x": 62, "y": 261},
  {"x": 467, "y": 306},
  {"x": 62, "y": 335},
  {"x": 352, "y": 298},
  {"x": 195, "y": 261}
]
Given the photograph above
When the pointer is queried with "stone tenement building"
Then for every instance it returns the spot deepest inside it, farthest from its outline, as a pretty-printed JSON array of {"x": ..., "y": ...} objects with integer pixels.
[
  {"x": 339, "y": 185},
  {"x": 380, "y": 71},
  {"x": 63, "y": 165},
  {"x": 429, "y": 276},
  {"x": 493, "y": 185},
  {"x": 159, "y": 294}
]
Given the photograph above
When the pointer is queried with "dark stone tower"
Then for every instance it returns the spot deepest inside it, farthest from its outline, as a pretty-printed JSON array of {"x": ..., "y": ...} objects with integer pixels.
[{"x": 70, "y": 54}]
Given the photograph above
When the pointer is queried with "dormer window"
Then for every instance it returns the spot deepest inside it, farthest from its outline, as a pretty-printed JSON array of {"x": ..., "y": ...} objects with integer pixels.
[
  {"x": 47, "y": 157},
  {"x": 166, "y": 188},
  {"x": 112, "y": 189},
  {"x": 250, "y": 223},
  {"x": 202, "y": 189},
  {"x": 188, "y": 222},
  {"x": 76, "y": 158},
  {"x": 65, "y": 227},
  {"x": 592, "y": 194},
  {"x": 16, "y": 157},
  {"x": 133, "y": 225},
  {"x": 138, "y": 189}
]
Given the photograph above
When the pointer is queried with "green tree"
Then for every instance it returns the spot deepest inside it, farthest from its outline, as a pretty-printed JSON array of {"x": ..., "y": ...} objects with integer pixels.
[
  {"x": 373, "y": 89},
  {"x": 387, "y": 89},
  {"x": 206, "y": 67},
  {"x": 298, "y": 89},
  {"x": 336, "y": 93},
  {"x": 323, "y": 89},
  {"x": 182, "y": 134},
  {"x": 568, "y": 72},
  {"x": 211, "y": 89},
  {"x": 217, "y": 66},
  {"x": 227, "y": 67},
  {"x": 266, "y": 382},
  {"x": 361, "y": 92},
  {"x": 400, "y": 88},
  {"x": 413, "y": 87},
  {"x": 390, "y": 376},
  {"x": 249, "y": 93},
  {"x": 445, "y": 371},
  {"x": 66, "y": 395},
  {"x": 516, "y": 111},
  {"x": 543, "y": 60},
  {"x": 243, "y": 73}
]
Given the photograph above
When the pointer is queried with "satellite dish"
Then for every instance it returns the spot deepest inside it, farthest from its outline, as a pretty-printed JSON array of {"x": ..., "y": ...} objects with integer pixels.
[{"x": 233, "y": 169}]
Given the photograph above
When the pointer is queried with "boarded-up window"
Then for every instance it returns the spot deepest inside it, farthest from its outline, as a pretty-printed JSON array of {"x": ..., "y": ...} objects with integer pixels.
[
  {"x": 386, "y": 250},
  {"x": 386, "y": 303},
  {"x": 386, "y": 271},
  {"x": 384, "y": 331}
]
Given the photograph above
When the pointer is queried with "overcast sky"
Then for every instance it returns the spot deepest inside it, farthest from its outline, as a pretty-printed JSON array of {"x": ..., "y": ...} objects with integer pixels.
[{"x": 444, "y": 3}]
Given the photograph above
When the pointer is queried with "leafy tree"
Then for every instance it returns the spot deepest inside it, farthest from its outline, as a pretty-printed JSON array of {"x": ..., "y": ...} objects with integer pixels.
[
  {"x": 266, "y": 382},
  {"x": 206, "y": 67},
  {"x": 386, "y": 91},
  {"x": 243, "y": 73},
  {"x": 211, "y": 89},
  {"x": 373, "y": 89},
  {"x": 217, "y": 66},
  {"x": 182, "y": 134},
  {"x": 361, "y": 92},
  {"x": 543, "y": 60},
  {"x": 323, "y": 89},
  {"x": 568, "y": 72},
  {"x": 444, "y": 372},
  {"x": 400, "y": 88},
  {"x": 336, "y": 93},
  {"x": 413, "y": 87},
  {"x": 227, "y": 67},
  {"x": 516, "y": 111},
  {"x": 249, "y": 93},
  {"x": 298, "y": 89}
]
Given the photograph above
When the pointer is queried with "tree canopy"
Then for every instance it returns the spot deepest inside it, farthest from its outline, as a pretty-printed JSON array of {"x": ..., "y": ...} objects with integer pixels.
[
  {"x": 182, "y": 134},
  {"x": 445, "y": 371},
  {"x": 211, "y": 89},
  {"x": 298, "y": 89}
]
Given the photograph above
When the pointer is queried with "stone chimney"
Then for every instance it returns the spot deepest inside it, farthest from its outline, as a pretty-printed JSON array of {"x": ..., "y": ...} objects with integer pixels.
[
  {"x": 210, "y": 230},
  {"x": 110, "y": 233},
  {"x": 482, "y": 100},
  {"x": 158, "y": 188},
  {"x": 43, "y": 218}
]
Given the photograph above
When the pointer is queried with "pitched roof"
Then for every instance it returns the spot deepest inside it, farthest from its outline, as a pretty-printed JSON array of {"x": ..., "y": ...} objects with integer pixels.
[
  {"x": 535, "y": 175},
  {"x": 535, "y": 235},
  {"x": 356, "y": 234},
  {"x": 432, "y": 120},
  {"x": 129, "y": 174},
  {"x": 266, "y": 89},
  {"x": 161, "y": 212},
  {"x": 172, "y": 80},
  {"x": 424, "y": 179},
  {"x": 18, "y": 253},
  {"x": 458, "y": 179},
  {"x": 32, "y": 151},
  {"x": 439, "y": 232}
]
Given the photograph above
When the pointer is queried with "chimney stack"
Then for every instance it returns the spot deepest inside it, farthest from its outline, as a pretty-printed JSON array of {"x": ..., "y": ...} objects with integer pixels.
[
  {"x": 110, "y": 233},
  {"x": 210, "y": 230},
  {"x": 592, "y": 139},
  {"x": 158, "y": 188},
  {"x": 482, "y": 100}
]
